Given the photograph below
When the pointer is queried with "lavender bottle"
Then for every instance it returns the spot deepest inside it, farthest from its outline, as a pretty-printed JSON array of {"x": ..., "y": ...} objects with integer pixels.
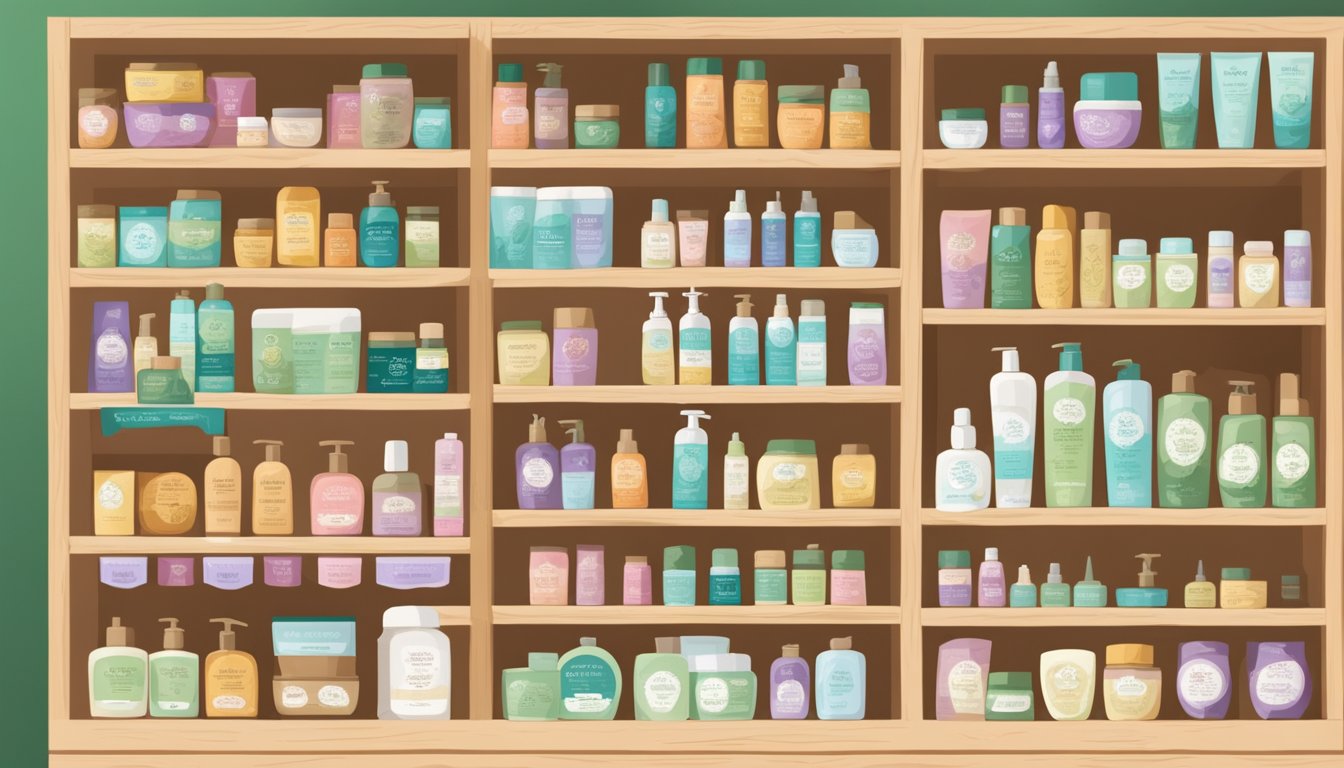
[
  {"x": 1050, "y": 121},
  {"x": 537, "y": 468},
  {"x": 111, "y": 367},
  {"x": 790, "y": 686},
  {"x": 1280, "y": 681},
  {"x": 1296, "y": 268},
  {"x": 574, "y": 356},
  {"x": 1204, "y": 679},
  {"x": 1014, "y": 118}
]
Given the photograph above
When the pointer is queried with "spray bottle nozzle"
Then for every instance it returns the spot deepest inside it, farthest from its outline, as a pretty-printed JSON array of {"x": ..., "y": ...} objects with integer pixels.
[{"x": 576, "y": 430}]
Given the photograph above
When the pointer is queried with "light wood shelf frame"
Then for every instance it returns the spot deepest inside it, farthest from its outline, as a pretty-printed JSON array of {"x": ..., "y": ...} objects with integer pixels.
[{"x": 482, "y": 741}]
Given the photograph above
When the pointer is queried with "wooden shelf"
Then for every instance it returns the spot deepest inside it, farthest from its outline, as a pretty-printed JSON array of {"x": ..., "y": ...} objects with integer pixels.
[
  {"x": 1166, "y": 317},
  {"x": 696, "y": 614},
  {"x": 275, "y": 277},
  {"x": 269, "y": 545},
  {"x": 801, "y": 278},
  {"x": 682, "y": 159},
  {"x": 228, "y": 158},
  {"x": 987, "y": 159},
  {"x": 1122, "y": 617},
  {"x": 1211, "y": 516},
  {"x": 252, "y": 401},
  {"x": 688, "y": 394},
  {"x": 695, "y": 518}
]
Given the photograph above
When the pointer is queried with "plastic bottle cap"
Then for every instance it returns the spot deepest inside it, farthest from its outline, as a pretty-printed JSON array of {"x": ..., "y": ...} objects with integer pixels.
[
  {"x": 847, "y": 560},
  {"x": 228, "y": 639},
  {"x": 963, "y": 434},
  {"x": 380, "y": 197},
  {"x": 1009, "y": 681},
  {"x": 1024, "y": 574},
  {"x": 809, "y": 203},
  {"x": 854, "y": 449},
  {"x": 1241, "y": 401},
  {"x": 1183, "y": 381},
  {"x": 1236, "y": 574},
  {"x": 744, "y": 304},
  {"x": 781, "y": 305},
  {"x": 851, "y": 77},
  {"x": 739, "y": 202},
  {"x": 272, "y": 448},
  {"x": 1051, "y": 78},
  {"x": 396, "y": 456},
  {"x": 658, "y": 211},
  {"x": 1054, "y": 577},
  {"x": 1220, "y": 238},
  {"x": 144, "y": 324},
  {"x": 1133, "y": 246},
  {"x": 1290, "y": 403},
  {"x": 221, "y": 445},
  {"x": 385, "y": 70},
  {"x": 811, "y": 558},
  {"x": 1096, "y": 220},
  {"x": 770, "y": 558},
  {"x": 1012, "y": 217},
  {"x": 1147, "y": 576},
  {"x": 573, "y": 317},
  {"x": 792, "y": 447},
  {"x": 1056, "y": 217},
  {"x": 659, "y": 74},
  {"x": 736, "y": 447},
  {"x": 1130, "y": 654},
  {"x": 679, "y": 558},
  {"x": 658, "y": 310},
  {"x": 789, "y": 651},
  {"x": 842, "y": 643},
  {"x": 1176, "y": 245},
  {"x": 174, "y": 637},
  {"x": 118, "y": 635},
  {"x": 431, "y": 330},
  {"x": 520, "y": 325},
  {"x": 723, "y": 558},
  {"x": 553, "y": 72},
  {"x": 991, "y": 553},
  {"x": 510, "y": 73},
  {"x": 812, "y": 308},
  {"x": 1259, "y": 246},
  {"x": 954, "y": 558},
  {"x": 1289, "y": 579},
  {"x": 1013, "y": 94},
  {"x": 339, "y": 221},
  {"x": 449, "y": 435},
  {"x": 774, "y": 206},
  {"x": 538, "y": 661},
  {"x": 1296, "y": 238},
  {"x": 801, "y": 94},
  {"x": 627, "y": 443},
  {"x": 1129, "y": 370},
  {"x": 165, "y": 363},
  {"x": 964, "y": 113},
  {"x": 1011, "y": 361},
  {"x": 400, "y": 616},
  {"x": 704, "y": 66},
  {"x": 1108, "y": 86},
  {"x": 576, "y": 429},
  {"x": 1199, "y": 572},
  {"x": 751, "y": 69}
]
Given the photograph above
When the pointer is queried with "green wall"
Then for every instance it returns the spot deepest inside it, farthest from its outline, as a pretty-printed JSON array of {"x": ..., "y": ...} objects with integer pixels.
[{"x": 23, "y": 221}]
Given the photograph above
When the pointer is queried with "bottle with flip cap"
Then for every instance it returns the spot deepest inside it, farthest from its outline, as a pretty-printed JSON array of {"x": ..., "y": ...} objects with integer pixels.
[
  {"x": 744, "y": 345},
  {"x": 578, "y": 468},
  {"x": 1022, "y": 594},
  {"x": 1055, "y": 591},
  {"x": 379, "y": 229},
  {"x": 397, "y": 497},
  {"x": 695, "y": 347},
  {"x": 690, "y": 463},
  {"x": 1070, "y": 407},
  {"x": 657, "y": 360},
  {"x": 1201, "y": 593},
  {"x": 174, "y": 676},
  {"x": 1241, "y": 450},
  {"x": 1184, "y": 436},
  {"x": 1053, "y": 263},
  {"x": 660, "y": 108},
  {"x": 774, "y": 250},
  {"x": 1293, "y": 448},
  {"x": 1012, "y": 405},
  {"x": 736, "y": 475},
  {"x": 1010, "y": 261},
  {"x": 962, "y": 472},
  {"x": 1127, "y": 405},
  {"x": 737, "y": 232},
  {"x": 1147, "y": 594},
  {"x": 658, "y": 239},
  {"x": 230, "y": 676},
  {"x": 850, "y": 107},
  {"x": 336, "y": 497},
  {"x": 807, "y": 232},
  {"x": 781, "y": 346}
]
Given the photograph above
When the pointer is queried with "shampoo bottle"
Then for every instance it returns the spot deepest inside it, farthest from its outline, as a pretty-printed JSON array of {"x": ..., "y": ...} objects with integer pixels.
[
  {"x": 1294, "y": 448},
  {"x": 336, "y": 497},
  {"x": 657, "y": 363},
  {"x": 1070, "y": 406},
  {"x": 962, "y": 473},
  {"x": 379, "y": 229},
  {"x": 1094, "y": 261},
  {"x": 1023, "y": 592},
  {"x": 272, "y": 494},
  {"x": 737, "y": 232},
  {"x": 660, "y": 108},
  {"x": 1241, "y": 450},
  {"x": 1012, "y": 403},
  {"x": 690, "y": 464},
  {"x": 694, "y": 330},
  {"x": 174, "y": 676},
  {"x": 811, "y": 351},
  {"x": 508, "y": 108},
  {"x": 223, "y": 504},
  {"x": 448, "y": 459},
  {"x": 774, "y": 226},
  {"x": 744, "y": 345},
  {"x": 807, "y": 233},
  {"x": 118, "y": 675},
  {"x": 842, "y": 681},
  {"x": 1010, "y": 261},
  {"x": 1054, "y": 258},
  {"x": 1050, "y": 120},
  {"x": 1127, "y": 406},
  {"x": 781, "y": 350},
  {"x": 590, "y": 683},
  {"x": 736, "y": 475},
  {"x": 230, "y": 676},
  {"x": 629, "y": 474},
  {"x": 146, "y": 345},
  {"x": 658, "y": 239},
  {"x": 990, "y": 591},
  {"x": 1184, "y": 433},
  {"x": 397, "y": 496},
  {"x": 578, "y": 469},
  {"x": 662, "y": 682},
  {"x": 182, "y": 334},
  {"x": 214, "y": 342},
  {"x": 751, "y": 105},
  {"x": 551, "y": 113},
  {"x": 537, "y": 464},
  {"x": 790, "y": 686}
]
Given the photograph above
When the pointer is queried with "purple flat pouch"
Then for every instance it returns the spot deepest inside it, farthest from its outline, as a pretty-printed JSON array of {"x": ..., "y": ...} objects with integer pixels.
[{"x": 123, "y": 572}]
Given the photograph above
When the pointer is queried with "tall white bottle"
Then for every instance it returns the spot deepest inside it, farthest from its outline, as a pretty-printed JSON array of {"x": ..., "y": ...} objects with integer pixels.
[
  {"x": 744, "y": 345},
  {"x": 961, "y": 476},
  {"x": 1012, "y": 408},
  {"x": 811, "y": 352},
  {"x": 696, "y": 362},
  {"x": 657, "y": 362}
]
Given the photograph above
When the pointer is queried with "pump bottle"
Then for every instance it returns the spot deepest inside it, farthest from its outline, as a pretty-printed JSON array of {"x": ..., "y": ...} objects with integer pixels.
[
  {"x": 1241, "y": 450},
  {"x": 336, "y": 497},
  {"x": 537, "y": 464},
  {"x": 737, "y": 232},
  {"x": 1070, "y": 407},
  {"x": 657, "y": 363},
  {"x": 629, "y": 474},
  {"x": 694, "y": 329},
  {"x": 658, "y": 239},
  {"x": 690, "y": 464},
  {"x": 962, "y": 473},
  {"x": 379, "y": 229},
  {"x": 223, "y": 492},
  {"x": 736, "y": 475},
  {"x": 1012, "y": 404},
  {"x": 398, "y": 501},
  {"x": 272, "y": 494},
  {"x": 551, "y": 113},
  {"x": 1293, "y": 448},
  {"x": 774, "y": 250},
  {"x": 118, "y": 675},
  {"x": 174, "y": 676},
  {"x": 578, "y": 468},
  {"x": 1184, "y": 435},
  {"x": 146, "y": 346},
  {"x": 230, "y": 676},
  {"x": 1050, "y": 122},
  {"x": 1127, "y": 405},
  {"x": 781, "y": 346},
  {"x": 807, "y": 233},
  {"x": 744, "y": 345},
  {"x": 1147, "y": 594}
]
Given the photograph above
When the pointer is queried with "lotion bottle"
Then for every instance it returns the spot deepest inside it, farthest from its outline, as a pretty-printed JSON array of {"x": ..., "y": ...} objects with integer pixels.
[
  {"x": 1259, "y": 276},
  {"x": 1127, "y": 405},
  {"x": 230, "y": 676},
  {"x": 657, "y": 359},
  {"x": 781, "y": 346},
  {"x": 842, "y": 681},
  {"x": 694, "y": 330},
  {"x": 551, "y": 112},
  {"x": 736, "y": 475},
  {"x": 807, "y": 233},
  {"x": 990, "y": 590},
  {"x": 508, "y": 121},
  {"x": 962, "y": 473},
  {"x": 398, "y": 506},
  {"x": 690, "y": 464},
  {"x": 629, "y": 474},
  {"x": 660, "y": 108},
  {"x": 537, "y": 464},
  {"x": 272, "y": 494},
  {"x": 1241, "y": 450},
  {"x": 336, "y": 497},
  {"x": 1054, "y": 258},
  {"x": 1070, "y": 407},
  {"x": 1221, "y": 278},
  {"x": 223, "y": 504},
  {"x": 751, "y": 105},
  {"x": 174, "y": 676},
  {"x": 744, "y": 345},
  {"x": 774, "y": 226},
  {"x": 1293, "y": 482},
  {"x": 578, "y": 468},
  {"x": 658, "y": 239},
  {"x": 448, "y": 458},
  {"x": 1055, "y": 591},
  {"x": 1012, "y": 403},
  {"x": 379, "y": 229},
  {"x": 118, "y": 675},
  {"x": 1184, "y": 441},
  {"x": 146, "y": 346}
]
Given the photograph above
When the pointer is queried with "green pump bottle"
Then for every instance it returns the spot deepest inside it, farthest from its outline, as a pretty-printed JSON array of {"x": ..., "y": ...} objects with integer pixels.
[
  {"x": 1241, "y": 450},
  {"x": 1184, "y": 432},
  {"x": 1294, "y": 449}
]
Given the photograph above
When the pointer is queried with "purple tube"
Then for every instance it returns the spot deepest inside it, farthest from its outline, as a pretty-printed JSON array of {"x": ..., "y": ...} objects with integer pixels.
[
  {"x": 1204, "y": 680},
  {"x": 1297, "y": 268},
  {"x": 538, "y": 471},
  {"x": 790, "y": 686},
  {"x": 1280, "y": 680},
  {"x": 111, "y": 367}
]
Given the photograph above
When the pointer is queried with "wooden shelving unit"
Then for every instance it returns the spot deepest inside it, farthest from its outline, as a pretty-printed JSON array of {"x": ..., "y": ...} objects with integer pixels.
[{"x": 938, "y": 359}]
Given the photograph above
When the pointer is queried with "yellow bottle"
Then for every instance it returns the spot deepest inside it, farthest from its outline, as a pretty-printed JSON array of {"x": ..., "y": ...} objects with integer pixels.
[
  {"x": 1094, "y": 261},
  {"x": 1258, "y": 275},
  {"x": 113, "y": 502},
  {"x": 851, "y": 124},
  {"x": 223, "y": 492},
  {"x": 146, "y": 346},
  {"x": 298, "y": 220},
  {"x": 751, "y": 105},
  {"x": 1054, "y": 258},
  {"x": 704, "y": 104},
  {"x": 1201, "y": 593},
  {"x": 272, "y": 494},
  {"x": 854, "y": 477},
  {"x": 230, "y": 676},
  {"x": 629, "y": 474}
]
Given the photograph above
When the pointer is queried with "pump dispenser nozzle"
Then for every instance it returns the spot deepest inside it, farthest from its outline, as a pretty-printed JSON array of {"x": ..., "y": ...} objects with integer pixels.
[
  {"x": 693, "y": 418},
  {"x": 380, "y": 197},
  {"x": 174, "y": 637},
  {"x": 118, "y": 636},
  {"x": 1070, "y": 355},
  {"x": 576, "y": 430},
  {"x": 1183, "y": 381},
  {"x": 1129, "y": 370},
  {"x": 851, "y": 78},
  {"x": 744, "y": 304},
  {"x": 1147, "y": 577},
  {"x": 627, "y": 443},
  {"x": 228, "y": 639},
  {"x": 536, "y": 433},
  {"x": 1011, "y": 361},
  {"x": 144, "y": 324},
  {"x": 337, "y": 462},
  {"x": 693, "y": 299},
  {"x": 552, "y": 70},
  {"x": 1242, "y": 400},
  {"x": 272, "y": 448},
  {"x": 658, "y": 310}
]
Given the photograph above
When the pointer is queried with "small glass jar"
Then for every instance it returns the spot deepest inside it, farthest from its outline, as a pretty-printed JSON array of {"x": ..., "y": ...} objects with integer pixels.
[
  {"x": 801, "y": 117},
  {"x": 433, "y": 125},
  {"x": 98, "y": 119},
  {"x": 597, "y": 126},
  {"x": 253, "y": 241},
  {"x": 252, "y": 132},
  {"x": 1132, "y": 275}
]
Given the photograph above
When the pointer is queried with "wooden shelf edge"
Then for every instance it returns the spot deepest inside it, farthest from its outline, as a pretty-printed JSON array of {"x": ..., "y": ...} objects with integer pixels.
[
  {"x": 801, "y": 278},
  {"x": 294, "y": 545},
  {"x": 992, "y": 159},
  {"x": 1121, "y": 617},
  {"x": 279, "y": 28},
  {"x": 275, "y": 277},
  {"x": 251, "y": 401},
  {"x": 282, "y": 158},
  {"x": 691, "y": 518},
  {"x": 698, "y": 614},
  {"x": 692, "y": 394},
  {"x": 1281, "y": 316},
  {"x": 1211, "y": 516},
  {"x": 681, "y": 159}
]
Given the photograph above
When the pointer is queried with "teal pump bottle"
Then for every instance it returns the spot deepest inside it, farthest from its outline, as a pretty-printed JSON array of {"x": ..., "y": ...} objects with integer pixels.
[
  {"x": 690, "y": 464},
  {"x": 1294, "y": 449},
  {"x": 807, "y": 233},
  {"x": 1184, "y": 435},
  {"x": 1127, "y": 406},
  {"x": 214, "y": 342},
  {"x": 781, "y": 346},
  {"x": 1241, "y": 450},
  {"x": 379, "y": 229},
  {"x": 660, "y": 108},
  {"x": 1023, "y": 593},
  {"x": 1070, "y": 407}
]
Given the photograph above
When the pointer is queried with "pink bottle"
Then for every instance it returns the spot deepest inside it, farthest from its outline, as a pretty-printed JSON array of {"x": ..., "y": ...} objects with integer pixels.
[
  {"x": 849, "y": 585},
  {"x": 637, "y": 585},
  {"x": 992, "y": 592},
  {"x": 448, "y": 497},
  {"x": 336, "y": 497},
  {"x": 343, "y": 117},
  {"x": 574, "y": 357},
  {"x": 590, "y": 575}
]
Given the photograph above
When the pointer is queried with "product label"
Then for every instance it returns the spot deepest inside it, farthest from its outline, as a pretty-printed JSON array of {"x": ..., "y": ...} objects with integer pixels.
[
  {"x": 590, "y": 238},
  {"x": 789, "y": 695},
  {"x": 744, "y": 357},
  {"x": 333, "y": 696},
  {"x": 840, "y": 684},
  {"x": 587, "y": 685},
  {"x": 960, "y": 249},
  {"x": 110, "y": 496},
  {"x": 1279, "y": 684},
  {"x": 1259, "y": 278},
  {"x": 1239, "y": 464},
  {"x": 538, "y": 473},
  {"x": 695, "y": 352},
  {"x": 1185, "y": 441},
  {"x": 1013, "y": 453},
  {"x": 711, "y": 695},
  {"x": 397, "y": 515},
  {"x": 520, "y": 358},
  {"x": 772, "y": 586},
  {"x": 1220, "y": 275},
  {"x": 1009, "y": 702},
  {"x": 966, "y": 688},
  {"x": 551, "y": 121},
  {"x": 111, "y": 348},
  {"x": 119, "y": 681},
  {"x": 1201, "y": 682},
  {"x": 419, "y": 679},
  {"x": 293, "y": 697},
  {"x": 141, "y": 243},
  {"x": 1067, "y": 681},
  {"x": 662, "y": 691},
  {"x": 1292, "y": 462},
  {"x": 867, "y": 354},
  {"x": 961, "y": 475},
  {"x": 193, "y": 234},
  {"x": 1125, "y": 428},
  {"x": 173, "y": 683},
  {"x": 737, "y": 243},
  {"x": 1129, "y": 686},
  {"x": 1179, "y": 278},
  {"x": 657, "y": 247},
  {"x": 690, "y": 464},
  {"x": 1069, "y": 411},
  {"x": 94, "y": 122},
  {"x": 1131, "y": 276},
  {"x": 296, "y": 234}
]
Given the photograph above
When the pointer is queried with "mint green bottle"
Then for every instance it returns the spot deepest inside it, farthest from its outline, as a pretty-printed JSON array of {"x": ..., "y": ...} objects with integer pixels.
[
  {"x": 662, "y": 682},
  {"x": 1184, "y": 435},
  {"x": 1023, "y": 593},
  {"x": 1131, "y": 275},
  {"x": 1177, "y": 273},
  {"x": 590, "y": 683},
  {"x": 1294, "y": 449},
  {"x": 1055, "y": 591},
  {"x": 809, "y": 576},
  {"x": 214, "y": 342},
  {"x": 1010, "y": 277},
  {"x": 1241, "y": 450},
  {"x": 1070, "y": 409},
  {"x": 533, "y": 692},
  {"x": 1089, "y": 593}
]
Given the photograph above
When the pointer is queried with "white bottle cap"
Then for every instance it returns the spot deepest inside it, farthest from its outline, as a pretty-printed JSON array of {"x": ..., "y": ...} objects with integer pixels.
[
  {"x": 739, "y": 203},
  {"x": 781, "y": 305},
  {"x": 991, "y": 553},
  {"x": 449, "y": 435},
  {"x": 1011, "y": 362},
  {"x": 1220, "y": 238},
  {"x": 1055, "y": 576},
  {"x": 774, "y": 206},
  {"x": 1051, "y": 79},
  {"x": 1259, "y": 246},
  {"x": 1296, "y": 238},
  {"x": 1133, "y": 246},
  {"x": 963, "y": 434},
  {"x": 395, "y": 456}
]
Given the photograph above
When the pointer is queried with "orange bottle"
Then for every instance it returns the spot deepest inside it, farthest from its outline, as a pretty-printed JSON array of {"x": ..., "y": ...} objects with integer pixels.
[
  {"x": 339, "y": 242},
  {"x": 508, "y": 114},
  {"x": 629, "y": 474}
]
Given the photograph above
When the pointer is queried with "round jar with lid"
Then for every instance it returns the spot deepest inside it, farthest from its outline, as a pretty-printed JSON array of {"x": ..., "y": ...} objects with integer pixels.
[
  {"x": 98, "y": 119},
  {"x": 597, "y": 126},
  {"x": 1132, "y": 685}
]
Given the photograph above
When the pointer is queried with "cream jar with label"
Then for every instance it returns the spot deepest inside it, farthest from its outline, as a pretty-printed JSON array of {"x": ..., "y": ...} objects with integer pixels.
[
  {"x": 1237, "y": 590},
  {"x": 1133, "y": 686},
  {"x": 963, "y": 128},
  {"x": 853, "y": 241},
  {"x": 1131, "y": 278},
  {"x": 96, "y": 236},
  {"x": 854, "y": 477},
  {"x": 297, "y": 127},
  {"x": 1177, "y": 273},
  {"x": 787, "y": 477},
  {"x": 97, "y": 119},
  {"x": 253, "y": 132},
  {"x": 254, "y": 242},
  {"x": 524, "y": 354}
]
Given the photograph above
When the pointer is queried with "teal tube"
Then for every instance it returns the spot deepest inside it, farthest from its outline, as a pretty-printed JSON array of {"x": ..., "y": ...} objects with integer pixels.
[
  {"x": 1290, "y": 97},
  {"x": 1236, "y": 97},
  {"x": 1178, "y": 99}
]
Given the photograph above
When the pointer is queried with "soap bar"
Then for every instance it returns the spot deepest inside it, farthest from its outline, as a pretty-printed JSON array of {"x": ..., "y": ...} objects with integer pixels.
[{"x": 167, "y": 503}]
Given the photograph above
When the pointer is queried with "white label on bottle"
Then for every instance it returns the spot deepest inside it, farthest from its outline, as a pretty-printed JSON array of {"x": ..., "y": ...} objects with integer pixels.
[
  {"x": 538, "y": 473},
  {"x": 1129, "y": 686},
  {"x": 95, "y": 123},
  {"x": 398, "y": 505},
  {"x": 1069, "y": 411},
  {"x": 1067, "y": 677},
  {"x": 420, "y": 232},
  {"x": 333, "y": 696},
  {"x": 1012, "y": 702},
  {"x": 790, "y": 693},
  {"x": 852, "y": 478},
  {"x": 111, "y": 348},
  {"x": 1126, "y": 428},
  {"x": 419, "y": 668},
  {"x": 1259, "y": 277},
  {"x": 785, "y": 472},
  {"x": 110, "y": 495},
  {"x": 293, "y": 697},
  {"x": 1239, "y": 465},
  {"x": 961, "y": 475},
  {"x": 1185, "y": 441},
  {"x": 966, "y": 688},
  {"x": 1201, "y": 682},
  {"x": 712, "y": 694},
  {"x": 1292, "y": 461},
  {"x": 513, "y": 115},
  {"x": 1179, "y": 278},
  {"x": 1013, "y": 429},
  {"x": 1130, "y": 276},
  {"x": 1280, "y": 684},
  {"x": 229, "y": 702},
  {"x": 661, "y": 691}
]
